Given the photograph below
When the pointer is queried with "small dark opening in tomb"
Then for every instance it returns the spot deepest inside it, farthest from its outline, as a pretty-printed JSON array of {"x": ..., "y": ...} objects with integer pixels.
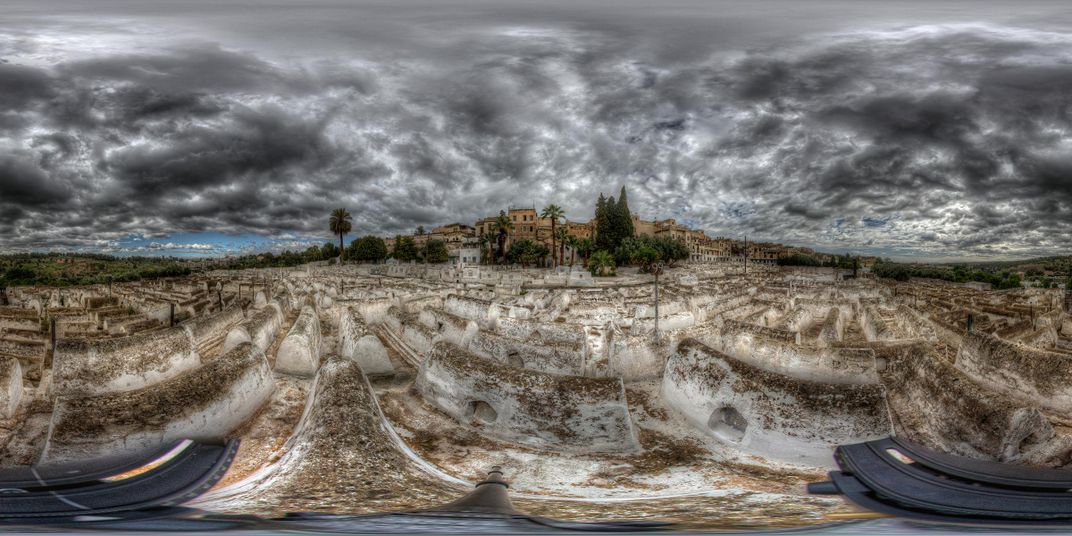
[
  {"x": 514, "y": 360},
  {"x": 728, "y": 423},
  {"x": 481, "y": 411}
]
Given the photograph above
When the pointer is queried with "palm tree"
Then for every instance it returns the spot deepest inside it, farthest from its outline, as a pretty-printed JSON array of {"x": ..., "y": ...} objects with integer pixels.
[
  {"x": 562, "y": 234},
  {"x": 485, "y": 242},
  {"x": 503, "y": 226},
  {"x": 585, "y": 246},
  {"x": 555, "y": 213},
  {"x": 601, "y": 263},
  {"x": 572, "y": 242},
  {"x": 340, "y": 225}
]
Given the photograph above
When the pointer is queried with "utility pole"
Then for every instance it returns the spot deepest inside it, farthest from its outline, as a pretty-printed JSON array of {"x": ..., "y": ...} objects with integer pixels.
[
  {"x": 656, "y": 269},
  {"x": 745, "y": 254}
]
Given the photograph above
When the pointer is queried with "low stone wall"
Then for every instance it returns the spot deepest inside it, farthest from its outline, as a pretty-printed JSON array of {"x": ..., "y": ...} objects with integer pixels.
[
  {"x": 769, "y": 414},
  {"x": 373, "y": 310},
  {"x": 360, "y": 345},
  {"x": 799, "y": 318},
  {"x": 527, "y": 407},
  {"x": 544, "y": 356},
  {"x": 873, "y": 326},
  {"x": 631, "y": 357},
  {"x": 31, "y": 353},
  {"x": 392, "y": 319},
  {"x": 88, "y": 367},
  {"x": 1036, "y": 376},
  {"x": 206, "y": 403},
  {"x": 210, "y": 330},
  {"x": 419, "y": 337},
  {"x": 482, "y": 312},
  {"x": 734, "y": 327},
  {"x": 823, "y": 364},
  {"x": 937, "y": 405},
  {"x": 833, "y": 329},
  {"x": 667, "y": 322},
  {"x": 547, "y": 331},
  {"x": 259, "y": 328},
  {"x": 11, "y": 383},
  {"x": 299, "y": 353},
  {"x": 451, "y": 328}
]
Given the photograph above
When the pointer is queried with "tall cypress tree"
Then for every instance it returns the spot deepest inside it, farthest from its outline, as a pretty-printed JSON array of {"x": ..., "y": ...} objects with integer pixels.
[
  {"x": 601, "y": 222},
  {"x": 610, "y": 218},
  {"x": 625, "y": 223}
]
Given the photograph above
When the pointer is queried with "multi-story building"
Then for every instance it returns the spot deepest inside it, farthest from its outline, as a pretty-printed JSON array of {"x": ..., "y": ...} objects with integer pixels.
[
  {"x": 579, "y": 230},
  {"x": 453, "y": 234}
]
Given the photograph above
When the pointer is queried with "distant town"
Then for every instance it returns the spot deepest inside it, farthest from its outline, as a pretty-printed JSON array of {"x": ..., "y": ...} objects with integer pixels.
[{"x": 463, "y": 241}]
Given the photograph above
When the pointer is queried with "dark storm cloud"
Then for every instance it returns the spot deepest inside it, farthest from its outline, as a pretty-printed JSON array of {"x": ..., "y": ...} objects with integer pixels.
[
  {"x": 19, "y": 85},
  {"x": 247, "y": 145},
  {"x": 24, "y": 184},
  {"x": 939, "y": 140}
]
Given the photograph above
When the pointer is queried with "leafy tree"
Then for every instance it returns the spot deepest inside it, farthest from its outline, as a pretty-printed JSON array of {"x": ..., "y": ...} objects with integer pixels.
[
  {"x": 340, "y": 224},
  {"x": 554, "y": 213},
  {"x": 799, "y": 259},
  {"x": 671, "y": 250},
  {"x": 405, "y": 249},
  {"x": 311, "y": 254},
  {"x": 435, "y": 252},
  {"x": 898, "y": 272},
  {"x": 420, "y": 230},
  {"x": 368, "y": 248},
  {"x": 19, "y": 275},
  {"x": 503, "y": 227},
  {"x": 645, "y": 250},
  {"x": 539, "y": 253},
  {"x": 645, "y": 256},
  {"x": 523, "y": 252},
  {"x": 328, "y": 251},
  {"x": 601, "y": 264}
]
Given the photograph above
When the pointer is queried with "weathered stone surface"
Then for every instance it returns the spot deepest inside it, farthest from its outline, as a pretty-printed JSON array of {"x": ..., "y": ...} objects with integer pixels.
[
  {"x": 299, "y": 353},
  {"x": 1035, "y": 376},
  {"x": 828, "y": 365},
  {"x": 205, "y": 403},
  {"x": 528, "y": 407},
  {"x": 93, "y": 367},
  {"x": 770, "y": 414},
  {"x": 11, "y": 385},
  {"x": 483, "y": 312},
  {"x": 533, "y": 353},
  {"x": 259, "y": 329},
  {"x": 341, "y": 457},
  {"x": 939, "y": 406},
  {"x": 360, "y": 345},
  {"x": 451, "y": 328},
  {"x": 212, "y": 329}
]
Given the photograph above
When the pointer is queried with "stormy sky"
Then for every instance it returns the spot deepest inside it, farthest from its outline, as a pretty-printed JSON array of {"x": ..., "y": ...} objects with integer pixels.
[{"x": 909, "y": 129}]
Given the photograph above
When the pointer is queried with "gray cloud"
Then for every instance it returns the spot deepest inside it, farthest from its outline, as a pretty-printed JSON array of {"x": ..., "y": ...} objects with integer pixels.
[{"x": 955, "y": 137}]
